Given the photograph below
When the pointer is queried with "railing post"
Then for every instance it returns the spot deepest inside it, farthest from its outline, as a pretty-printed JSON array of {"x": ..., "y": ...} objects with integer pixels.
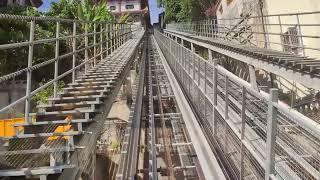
[
  {"x": 214, "y": 91},
  {"x": 107, "y": 39},
  {"x": 101, "y": 42},
  {"x": 29, "y": 71},
  {"x": 56, "y": 63},
  {"x": 86, "y": 55},
  {"x": 281, "y": 33},
  {"x": 226, "y": 112},
  {"x": 271, "y": 134},
  {"x": 300, "y": 33},
  {"x": 74, "y": 49},
  {"x": 94, "y": 43},
  {"x": 243, "y": 128}
]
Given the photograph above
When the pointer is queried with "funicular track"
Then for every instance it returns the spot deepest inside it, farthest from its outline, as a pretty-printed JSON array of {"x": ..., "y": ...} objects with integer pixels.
[{"x": 190, "y": 157}]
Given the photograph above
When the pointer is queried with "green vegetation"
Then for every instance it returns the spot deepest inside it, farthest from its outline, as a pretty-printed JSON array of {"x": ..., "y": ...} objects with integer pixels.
[
  {"x": 44, "y": 94},
  {"x": 115, "y": 145},
  {"x": 14, "y": 31},
  {"x": 185, "y": 10}
]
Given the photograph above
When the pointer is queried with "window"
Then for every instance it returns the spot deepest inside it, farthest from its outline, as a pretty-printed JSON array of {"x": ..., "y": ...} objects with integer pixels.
[
  {"x": 130, "y": 6},
  {"x": 112, "y": 8},
  {"x": 291, "y": 42},
  {"x": 229, "y": 2}
]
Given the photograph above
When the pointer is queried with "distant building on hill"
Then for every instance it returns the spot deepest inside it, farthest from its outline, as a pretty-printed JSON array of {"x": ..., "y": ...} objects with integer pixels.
[
  {"x": 23, "y": 3},
  {"x": 137, "y": 9}
]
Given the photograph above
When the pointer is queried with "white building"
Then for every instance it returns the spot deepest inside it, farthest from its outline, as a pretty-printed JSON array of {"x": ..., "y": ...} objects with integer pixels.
[{"x": 133, "y": 7}]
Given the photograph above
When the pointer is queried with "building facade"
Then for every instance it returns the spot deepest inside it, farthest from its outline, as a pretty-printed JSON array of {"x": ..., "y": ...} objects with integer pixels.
[{"x": 137, "y": 9}]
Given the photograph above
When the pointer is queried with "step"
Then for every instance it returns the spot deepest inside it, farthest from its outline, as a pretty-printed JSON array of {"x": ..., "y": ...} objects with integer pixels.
[
  {"x": 40, "y": 123},
  {"x": 23, "y": 136},
  {"x": 66, "y": 105},
  {"x": 91, "y": 83},
  {"x": 95, "y": 79},
  {"x": 75, "y": 111},
  {"x": 86, "y": 87},
  {"x": 77, "y": 97},
  {"x": 84, "y": 92}
]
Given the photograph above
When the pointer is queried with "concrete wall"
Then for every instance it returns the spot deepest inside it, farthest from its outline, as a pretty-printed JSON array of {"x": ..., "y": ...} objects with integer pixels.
[{"x": 11, "y": 92}]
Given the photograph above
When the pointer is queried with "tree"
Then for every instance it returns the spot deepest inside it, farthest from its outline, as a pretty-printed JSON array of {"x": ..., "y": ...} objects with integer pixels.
[{"x": 185, "y": 10}]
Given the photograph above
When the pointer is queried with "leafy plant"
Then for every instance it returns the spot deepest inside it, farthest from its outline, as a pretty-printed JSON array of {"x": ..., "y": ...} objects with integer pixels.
[
  {"x": 43, "y": 95},
  {"x": 115, "y": 145}
]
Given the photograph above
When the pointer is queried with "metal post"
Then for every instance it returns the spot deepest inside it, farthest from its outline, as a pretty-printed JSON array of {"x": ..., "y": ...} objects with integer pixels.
[
  {"x": 243, "y": 126},
  {"x": 281, "y": 32},
  {"x": 226, "y": 112},
  {"x": 101, "y": 42},
  {"x": 107, "y": 39},
  {"x": 300, "y": 33},
  {"x": 56, "y": 63},
  {"x": 114, "y": 35},
  {"x": 205, "y": 77},
  {"x": 74, "y": 49},
  {"x": 199, "y": 72},
  {"x": 94, "y": 43},
  {"x": 29, "y": 71},
  {"x": 214, "y": 92},
  {"x": 86, "y": 55},
  {"x": 271, "y": 134},
  {"x": 253, "y": 79}
]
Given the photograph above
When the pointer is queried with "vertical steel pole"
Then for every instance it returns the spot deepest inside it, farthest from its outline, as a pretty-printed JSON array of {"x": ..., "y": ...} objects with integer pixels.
[
  {"x": 74, "y": 49},
  {"x": 101, "y": 42},
  {"x": 243, "y": 126},
  {"x": 271, "y": 134},
  {"x": 205, "y": 77},
  {"x": 94, "y": 43},
  {"x": 226, "y": 113},
  {"x": 300, "y": 33},
  {"x": 281, "y": 32},
  {"x": 29, "y": 71},
  {"x": 56, "y": 63},
  {"x": 107, "y": 39},
  {"x": 86, "y": 54}
]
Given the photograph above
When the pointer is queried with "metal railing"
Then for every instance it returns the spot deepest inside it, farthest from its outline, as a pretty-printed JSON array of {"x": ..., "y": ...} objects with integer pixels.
[
  {"x": 98, "y": 39},
  {"x": 257, "y": 136},
  {"x": 75, "y": 48},
  {"x": 294, "y": 33}
]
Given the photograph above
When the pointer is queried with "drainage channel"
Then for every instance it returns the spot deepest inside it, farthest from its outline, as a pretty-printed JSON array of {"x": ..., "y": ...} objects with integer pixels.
[{"x": 171, "y": 152}]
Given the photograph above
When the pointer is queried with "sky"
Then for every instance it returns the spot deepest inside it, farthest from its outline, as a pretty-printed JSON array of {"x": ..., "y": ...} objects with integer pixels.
[{"x": 154, "y": 10}]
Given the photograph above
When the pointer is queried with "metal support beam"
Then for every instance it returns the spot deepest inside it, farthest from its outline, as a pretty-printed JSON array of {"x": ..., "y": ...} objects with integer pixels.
[
  {"x": 253, "y": 79},
  {"x": 271, "y": 134}
]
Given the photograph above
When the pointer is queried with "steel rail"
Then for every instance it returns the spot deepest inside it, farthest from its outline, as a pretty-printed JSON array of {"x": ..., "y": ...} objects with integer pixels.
[{"x": 308, "y": 79}]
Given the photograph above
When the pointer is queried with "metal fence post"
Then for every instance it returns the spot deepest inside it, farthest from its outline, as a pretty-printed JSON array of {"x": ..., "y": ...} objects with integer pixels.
[
  {"x": 107, "y": 39},
  {"x": 101, "y": 42},
  {"x": 226, "y": 112},
  {"x": 271, "y": 134},
  {"x": 74, "y": 48},
  {"x": 86, "y": 55},
  {"x": 214, "y": 93},
  {"x": 56, "y": 63},
  {"x": 243, "y": 126},
  {"x": 300, "y": 33},
  {"x": 29, "y": 71},
  {"x": 94, "y": 43}
]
